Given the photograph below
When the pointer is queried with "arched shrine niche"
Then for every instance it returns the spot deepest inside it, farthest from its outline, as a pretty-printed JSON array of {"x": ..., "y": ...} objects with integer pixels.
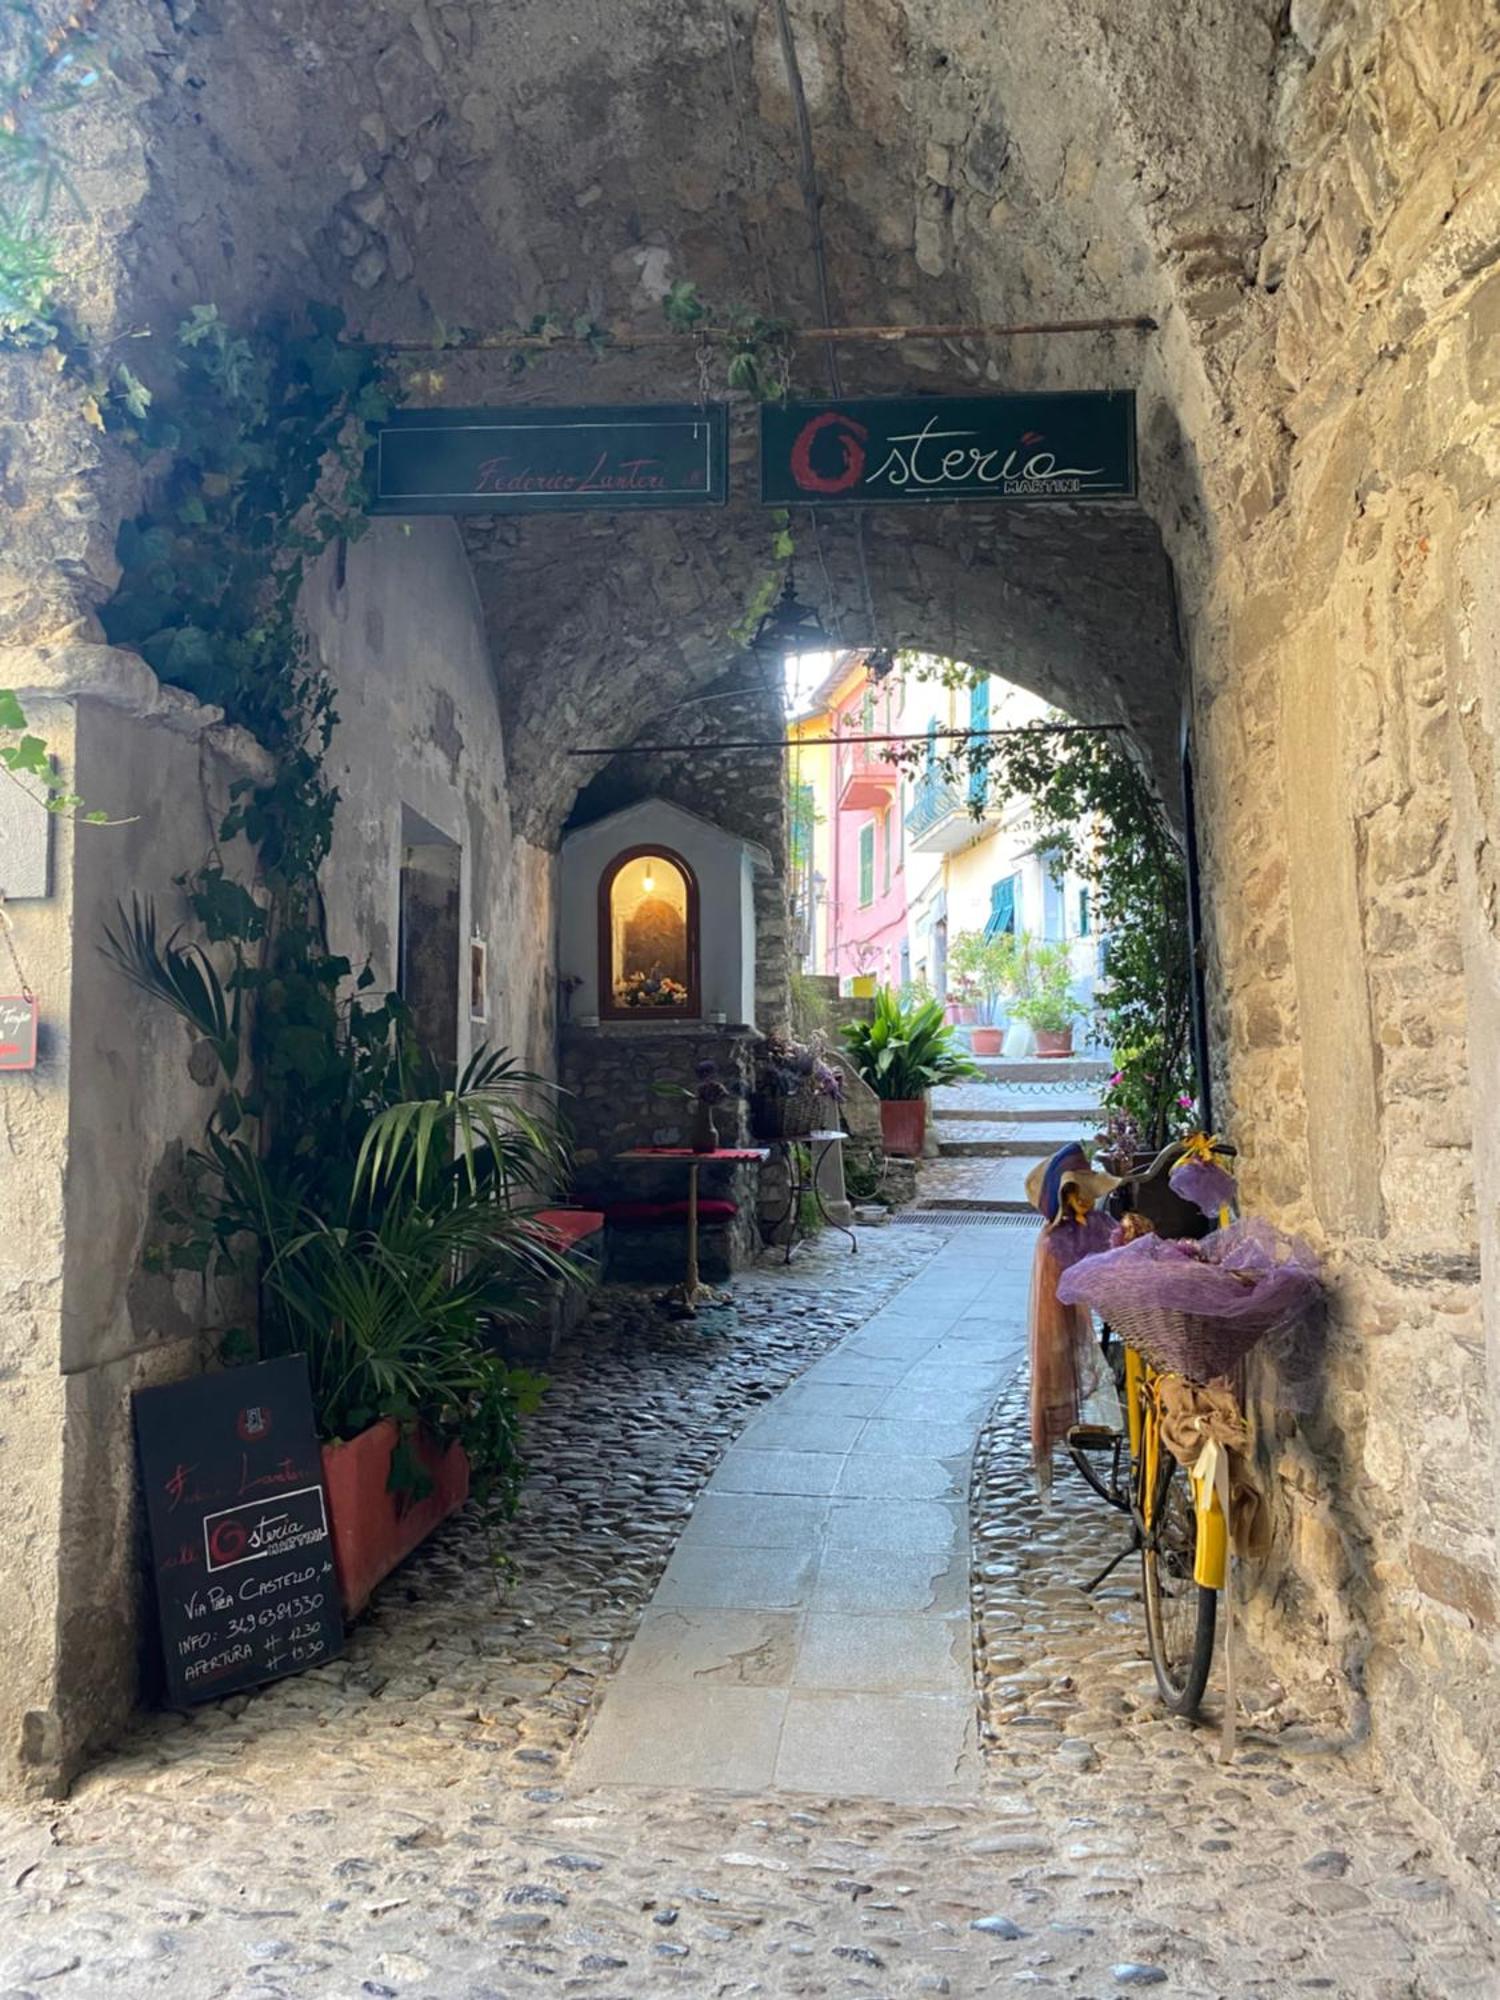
[
  {"x": 656, "y": 921},
  {"x": 648, "y": 938}
]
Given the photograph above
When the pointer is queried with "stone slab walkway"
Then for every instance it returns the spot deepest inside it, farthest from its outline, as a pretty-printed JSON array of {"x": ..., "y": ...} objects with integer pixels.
[{"x": 811, "y": 1633}]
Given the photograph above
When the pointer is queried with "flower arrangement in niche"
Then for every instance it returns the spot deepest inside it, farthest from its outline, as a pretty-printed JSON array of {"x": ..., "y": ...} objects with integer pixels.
[{"x": 650, "y": 989}]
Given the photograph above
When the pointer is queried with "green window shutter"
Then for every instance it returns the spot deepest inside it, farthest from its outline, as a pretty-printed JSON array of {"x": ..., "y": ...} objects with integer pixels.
[
  {"x": 1002, "y": 917},
  {"x": 979, "y": 718},
  {"x": 867, "y": 863}
]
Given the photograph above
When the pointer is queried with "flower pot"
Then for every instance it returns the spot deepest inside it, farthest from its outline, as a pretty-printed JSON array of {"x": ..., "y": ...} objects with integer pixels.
[
  {"x": 987, "y": 1041},
  {"x": 1059, "y": 1043},
  {"x": 862, "y": 986},
  {"x": 903, "y": 1125},
  {"x": 373, "y": 1529}
]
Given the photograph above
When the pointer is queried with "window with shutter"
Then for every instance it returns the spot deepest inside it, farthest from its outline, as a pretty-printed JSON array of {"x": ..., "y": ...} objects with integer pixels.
[
  {"x": 1002, "y": 917},
  {"x": 979, "y": 719},
  {"x": 867, "y": 864}
]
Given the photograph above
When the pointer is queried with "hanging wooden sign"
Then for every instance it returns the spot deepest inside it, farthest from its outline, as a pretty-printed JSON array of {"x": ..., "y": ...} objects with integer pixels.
[
  {"x": 530, "y": 461},
  {"x": 18, "y": 1025},
  {"x": 935, "y": 449},
  {"x": 240, "y": 1548}
]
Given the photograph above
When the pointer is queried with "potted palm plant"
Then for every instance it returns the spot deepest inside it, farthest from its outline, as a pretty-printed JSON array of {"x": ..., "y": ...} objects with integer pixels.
[
  {"x": 902, "y": 1053},
  {"x": 993, "y": 968},
  {"x": 385, "y": 1237},
  {"x": 1048, "y": 1006}
]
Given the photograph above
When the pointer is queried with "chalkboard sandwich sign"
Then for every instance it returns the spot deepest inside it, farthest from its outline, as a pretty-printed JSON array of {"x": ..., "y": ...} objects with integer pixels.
[{"x": 240, "y": 1547}]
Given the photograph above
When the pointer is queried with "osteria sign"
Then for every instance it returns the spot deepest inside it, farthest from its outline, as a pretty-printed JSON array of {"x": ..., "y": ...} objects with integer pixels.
[{"x": 1068, "y": 446}]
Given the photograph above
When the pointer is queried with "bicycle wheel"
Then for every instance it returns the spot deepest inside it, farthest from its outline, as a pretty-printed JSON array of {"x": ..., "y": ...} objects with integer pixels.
[{"x": 1180, "y": 1614}]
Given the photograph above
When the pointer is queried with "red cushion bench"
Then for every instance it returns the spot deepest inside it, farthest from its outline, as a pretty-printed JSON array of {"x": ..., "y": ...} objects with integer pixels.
[
  {"x": 636, "y": 1214},
  {"x": 569, "y": 1227}
]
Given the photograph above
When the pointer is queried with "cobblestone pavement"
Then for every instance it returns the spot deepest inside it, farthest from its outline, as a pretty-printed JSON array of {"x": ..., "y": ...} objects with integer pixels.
[{"x": 403, "y": 1823}]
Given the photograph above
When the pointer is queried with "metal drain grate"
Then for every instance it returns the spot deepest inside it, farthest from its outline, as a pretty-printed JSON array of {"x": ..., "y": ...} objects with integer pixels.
[{"x": 951, "y": 1218}]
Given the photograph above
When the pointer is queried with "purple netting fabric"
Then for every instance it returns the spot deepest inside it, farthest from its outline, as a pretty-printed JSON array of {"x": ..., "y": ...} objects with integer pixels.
[
  {"x": 1248, "y": 1273},
  {"x": 1204, "y": 1183}
]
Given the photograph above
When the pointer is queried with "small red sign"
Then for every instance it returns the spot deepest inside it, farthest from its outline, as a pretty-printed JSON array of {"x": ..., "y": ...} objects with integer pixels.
[{"x": 17, "y": 1031}]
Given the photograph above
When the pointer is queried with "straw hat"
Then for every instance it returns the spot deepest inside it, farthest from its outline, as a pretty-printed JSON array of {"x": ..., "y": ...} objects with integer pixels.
[{"x": 1068, "y": 1169}]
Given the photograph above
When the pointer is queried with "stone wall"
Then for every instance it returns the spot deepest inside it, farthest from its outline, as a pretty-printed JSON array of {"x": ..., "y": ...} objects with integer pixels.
[
  {"x": 611, "y": 1078},
  {"x": 94, "y": 1138},
  {"x": 1342, "y": 640},
  {"x": 398, "y": 625}
]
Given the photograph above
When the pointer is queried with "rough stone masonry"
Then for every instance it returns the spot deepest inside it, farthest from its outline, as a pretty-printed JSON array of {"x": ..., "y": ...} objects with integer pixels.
[{"x": 1305, "y": 198}]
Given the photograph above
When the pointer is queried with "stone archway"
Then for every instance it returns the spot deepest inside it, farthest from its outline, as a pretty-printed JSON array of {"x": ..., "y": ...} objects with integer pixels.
[{"x": 1298, "y": 197}]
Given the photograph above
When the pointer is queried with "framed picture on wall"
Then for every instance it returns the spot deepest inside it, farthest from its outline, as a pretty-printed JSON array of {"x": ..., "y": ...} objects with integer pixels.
[{"x": 478, "y": 979}]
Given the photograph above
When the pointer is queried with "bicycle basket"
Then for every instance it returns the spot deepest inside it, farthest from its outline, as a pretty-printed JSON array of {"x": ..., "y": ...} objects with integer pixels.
[
  {"x": 1190, "y": 1344},
  {"x": 1197, "y": 1308}
]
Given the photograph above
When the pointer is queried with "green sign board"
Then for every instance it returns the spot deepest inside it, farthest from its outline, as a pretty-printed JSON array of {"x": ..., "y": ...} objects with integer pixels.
[
  {"x": 905, "y": 449},
  {"x": 535, "y": 461}
]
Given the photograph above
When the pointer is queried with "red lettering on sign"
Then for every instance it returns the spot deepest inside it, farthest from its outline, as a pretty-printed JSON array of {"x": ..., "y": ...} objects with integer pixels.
[{"x": 850, "y": 437}]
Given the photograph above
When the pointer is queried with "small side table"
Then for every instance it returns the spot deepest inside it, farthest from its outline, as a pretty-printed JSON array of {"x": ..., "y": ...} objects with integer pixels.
[
  {"x": 822, "y": 1150},
  {"x": 693, "y": 1292}
]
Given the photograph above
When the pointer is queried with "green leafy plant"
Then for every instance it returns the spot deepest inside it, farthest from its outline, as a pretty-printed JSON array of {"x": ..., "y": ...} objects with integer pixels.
[
  {"x": 1096, "y": 813},
  {"x": 904, "y": 1051},
  {"x": 30, "y": 759},
  {"x": 1047, "y": 1002},
  {"x": 993, "y": 968},
  {"x": 388, "y": 1249}
]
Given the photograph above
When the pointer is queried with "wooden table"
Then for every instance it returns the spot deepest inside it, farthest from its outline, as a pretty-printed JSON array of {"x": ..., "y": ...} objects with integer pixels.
[{"x": 692, "y": 1292}]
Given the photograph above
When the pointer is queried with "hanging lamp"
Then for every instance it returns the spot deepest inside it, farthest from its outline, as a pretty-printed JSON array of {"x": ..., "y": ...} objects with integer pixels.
[{"x": 790, "y": 626}]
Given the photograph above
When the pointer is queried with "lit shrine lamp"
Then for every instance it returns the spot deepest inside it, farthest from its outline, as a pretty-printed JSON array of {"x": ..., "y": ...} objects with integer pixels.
[
  {"x": 648, "y": 880},
  {"x": 790, "y": 626}
]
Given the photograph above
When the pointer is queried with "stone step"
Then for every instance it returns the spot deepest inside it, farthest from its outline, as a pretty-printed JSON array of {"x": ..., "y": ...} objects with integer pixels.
[
  {"x": 1043, "y": 1069},
  {"x": 972, "y": 1206},
  {"x": 1087, "y": 1117},
  {"x": 994, "y": 1149}
]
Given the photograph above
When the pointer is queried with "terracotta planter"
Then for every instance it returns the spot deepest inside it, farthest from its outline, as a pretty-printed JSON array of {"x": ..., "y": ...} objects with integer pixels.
[
  {"x": 987, "y": 1041},
  {"x": 373, "y": 1529},
  {"x": 1054, "y": 1045},
  {"x": 903, "y": 1125}
]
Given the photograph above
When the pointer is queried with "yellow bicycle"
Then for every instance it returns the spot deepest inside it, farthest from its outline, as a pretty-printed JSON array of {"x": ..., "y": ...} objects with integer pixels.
[{"x": 1181, "y": 1533}]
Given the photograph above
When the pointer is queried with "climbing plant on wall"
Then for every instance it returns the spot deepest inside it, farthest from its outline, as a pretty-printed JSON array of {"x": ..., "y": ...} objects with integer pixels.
[
  {"x": 384, "y": 1275},
  {"x": 1096, "y": 813}
]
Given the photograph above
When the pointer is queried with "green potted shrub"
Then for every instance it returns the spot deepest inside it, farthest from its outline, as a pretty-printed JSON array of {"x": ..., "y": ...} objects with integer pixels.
[
  {"x": 1048, "y": 1007},
  {"x": 902, "y": 1053},
  {"x": 385, "y": 1235},
  {"x": 994, "y": 968}
]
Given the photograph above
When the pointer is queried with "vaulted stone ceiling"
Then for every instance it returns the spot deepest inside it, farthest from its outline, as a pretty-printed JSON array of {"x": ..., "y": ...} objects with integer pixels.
[{"x": 435, "y": 164}]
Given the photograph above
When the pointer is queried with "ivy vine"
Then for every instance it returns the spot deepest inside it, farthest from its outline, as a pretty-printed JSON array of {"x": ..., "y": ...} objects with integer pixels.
[{"x": 1097, "y": 814}]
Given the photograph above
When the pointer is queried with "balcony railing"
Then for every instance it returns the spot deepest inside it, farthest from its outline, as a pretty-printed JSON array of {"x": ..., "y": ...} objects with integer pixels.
[
  {"x": 939, "y": 819},
  {"x": 867, "y": 781}
]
